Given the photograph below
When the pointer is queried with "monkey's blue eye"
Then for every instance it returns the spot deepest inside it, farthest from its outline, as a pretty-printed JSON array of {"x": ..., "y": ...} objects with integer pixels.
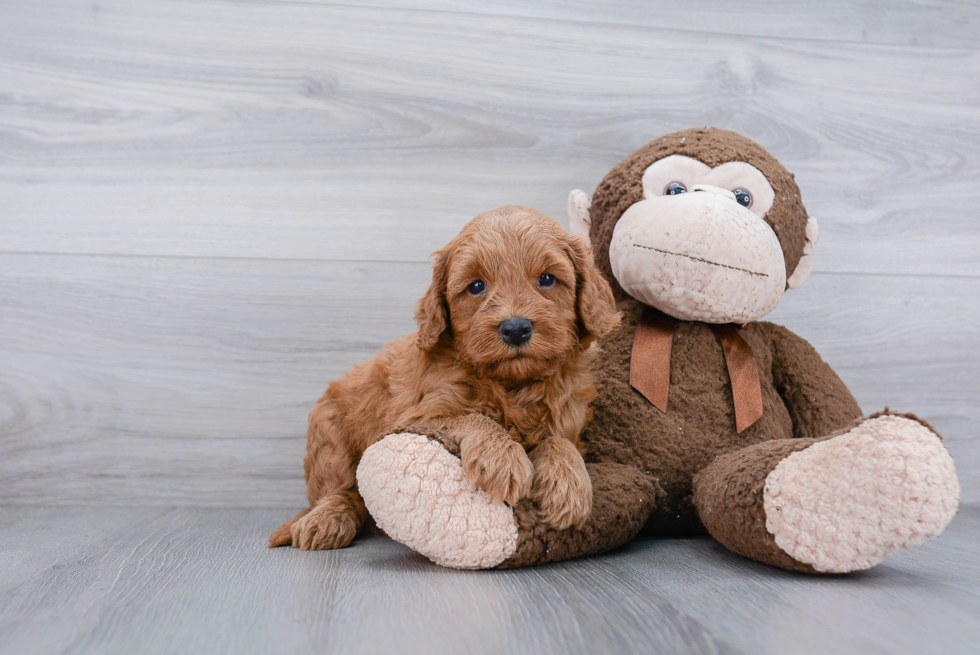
[
  {"x": 476, "y": 288},
  {"x": 743, "y": 197},
  {"x": 546, "y": 280},
  {"x": 674, "y": 188}
]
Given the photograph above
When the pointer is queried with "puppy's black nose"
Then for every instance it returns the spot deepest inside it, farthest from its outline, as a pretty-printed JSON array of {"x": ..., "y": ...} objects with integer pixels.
[{"x": 516, "y": 331}]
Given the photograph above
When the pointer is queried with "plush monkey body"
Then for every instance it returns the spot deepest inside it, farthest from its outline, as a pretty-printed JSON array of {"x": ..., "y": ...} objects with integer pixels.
[
  {"x": 707, "y": 228},
  {"x": 699, "y": 425}
]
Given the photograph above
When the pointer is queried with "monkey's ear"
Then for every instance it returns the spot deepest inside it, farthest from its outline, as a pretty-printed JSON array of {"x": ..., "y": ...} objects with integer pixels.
[
  {"x": 803, "y": 269},
  {"x": 431, "y": 312},
  {"x": 594, "y": 301},
  {"x": 579, "y": 220}
]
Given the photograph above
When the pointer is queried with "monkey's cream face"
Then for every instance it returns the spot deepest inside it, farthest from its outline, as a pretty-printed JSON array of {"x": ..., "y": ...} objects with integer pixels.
[{"x": 696, "y": 247}]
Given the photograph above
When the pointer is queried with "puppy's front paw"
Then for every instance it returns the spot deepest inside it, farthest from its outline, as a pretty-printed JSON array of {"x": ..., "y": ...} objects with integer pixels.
[
  {"x": 331, "y": 524},
  {"x": 562, "y": 488},
  {"x": 499, "y": 466}
]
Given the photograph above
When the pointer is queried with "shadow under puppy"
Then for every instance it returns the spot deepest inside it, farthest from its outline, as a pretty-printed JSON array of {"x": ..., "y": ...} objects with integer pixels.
[{"x": 499, "y": 367}]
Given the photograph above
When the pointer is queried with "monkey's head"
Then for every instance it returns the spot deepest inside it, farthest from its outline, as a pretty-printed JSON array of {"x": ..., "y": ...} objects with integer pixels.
[{"x": 704, "y": 225}]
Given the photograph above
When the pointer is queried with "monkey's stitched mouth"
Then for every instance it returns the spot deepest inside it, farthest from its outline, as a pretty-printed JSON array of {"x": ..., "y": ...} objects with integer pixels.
[{"x": 703, "y": 261}]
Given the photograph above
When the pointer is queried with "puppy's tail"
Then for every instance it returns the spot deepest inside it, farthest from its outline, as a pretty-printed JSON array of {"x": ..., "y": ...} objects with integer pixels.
[{"x": 283, "y": 535}]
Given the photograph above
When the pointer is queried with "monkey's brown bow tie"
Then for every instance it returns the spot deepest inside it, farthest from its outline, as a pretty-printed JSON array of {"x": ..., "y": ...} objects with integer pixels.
[{"x": 650, "y": 365}]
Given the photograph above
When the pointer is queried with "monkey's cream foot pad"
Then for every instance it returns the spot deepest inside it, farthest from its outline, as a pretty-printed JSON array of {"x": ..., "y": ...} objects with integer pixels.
[
  {"x": 847, "y": 503},
  {"x": 416, "y": 491}
]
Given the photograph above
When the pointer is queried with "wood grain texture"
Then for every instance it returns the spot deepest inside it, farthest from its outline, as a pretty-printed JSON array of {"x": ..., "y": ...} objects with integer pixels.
[
  {"x": 163, "y": 380},
  {"x": 941, "y": 24},
  {"x": 187, "y": 381},
  {"x": 126, "y": 580},
  {"x": 306, "y": 130}
]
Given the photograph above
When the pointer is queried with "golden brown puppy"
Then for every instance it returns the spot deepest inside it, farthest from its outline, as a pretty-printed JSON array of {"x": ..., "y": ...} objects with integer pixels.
[{"x": 500, "y": 364}]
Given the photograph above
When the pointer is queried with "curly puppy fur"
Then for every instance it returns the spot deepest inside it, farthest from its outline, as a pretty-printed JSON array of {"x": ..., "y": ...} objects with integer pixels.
[{"x": 458, "y": 376}]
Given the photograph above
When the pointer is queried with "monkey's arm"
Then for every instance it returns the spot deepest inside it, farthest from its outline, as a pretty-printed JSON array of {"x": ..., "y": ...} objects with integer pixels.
[
  {"x": 818, "y": 401},
  {"x": 491, "y": 458}
]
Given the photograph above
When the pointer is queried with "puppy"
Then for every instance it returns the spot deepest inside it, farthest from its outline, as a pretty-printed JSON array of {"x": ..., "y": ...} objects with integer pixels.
[{"x": 500, "y": 364}]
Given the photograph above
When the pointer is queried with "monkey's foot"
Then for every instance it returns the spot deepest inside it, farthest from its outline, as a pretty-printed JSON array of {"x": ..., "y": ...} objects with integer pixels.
[
  {"x": 416, "y": 491},
  {"x": 846, "y": 503}
]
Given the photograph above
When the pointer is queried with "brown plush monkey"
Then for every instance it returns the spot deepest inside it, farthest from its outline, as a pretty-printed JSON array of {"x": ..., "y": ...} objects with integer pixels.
[{"x": 706, "y": 419}]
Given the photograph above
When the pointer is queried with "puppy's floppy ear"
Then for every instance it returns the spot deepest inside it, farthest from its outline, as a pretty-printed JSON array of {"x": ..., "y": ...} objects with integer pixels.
[
  {"x": 431, "y": 312},
  {"x": 595, "y": 304}
]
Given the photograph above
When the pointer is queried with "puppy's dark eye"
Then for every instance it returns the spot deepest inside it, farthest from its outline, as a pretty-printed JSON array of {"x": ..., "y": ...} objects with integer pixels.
[
  {"x": 674, "y": 188},
  {"x": 743, "y": 197},
  {"x": 546, "y": 280},
  {"x": 476, "y": 288}
]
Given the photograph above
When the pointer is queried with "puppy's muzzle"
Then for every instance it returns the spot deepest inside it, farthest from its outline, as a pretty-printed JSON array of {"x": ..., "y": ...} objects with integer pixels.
[{"x": 516, "y": 331}]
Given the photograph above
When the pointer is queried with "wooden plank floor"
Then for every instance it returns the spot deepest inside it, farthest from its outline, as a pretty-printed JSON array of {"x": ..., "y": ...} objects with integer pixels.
[{"x": 186, "y": 580}]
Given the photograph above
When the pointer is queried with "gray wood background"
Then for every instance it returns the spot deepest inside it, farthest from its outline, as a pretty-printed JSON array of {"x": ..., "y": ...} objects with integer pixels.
[
  {"x": 209, "y": 209},
  {"x": 200, "y": 580}
]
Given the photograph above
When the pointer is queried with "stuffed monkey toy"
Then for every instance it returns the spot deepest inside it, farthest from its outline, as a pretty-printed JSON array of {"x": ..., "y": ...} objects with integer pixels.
[{"x": 707, "y": 419}]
